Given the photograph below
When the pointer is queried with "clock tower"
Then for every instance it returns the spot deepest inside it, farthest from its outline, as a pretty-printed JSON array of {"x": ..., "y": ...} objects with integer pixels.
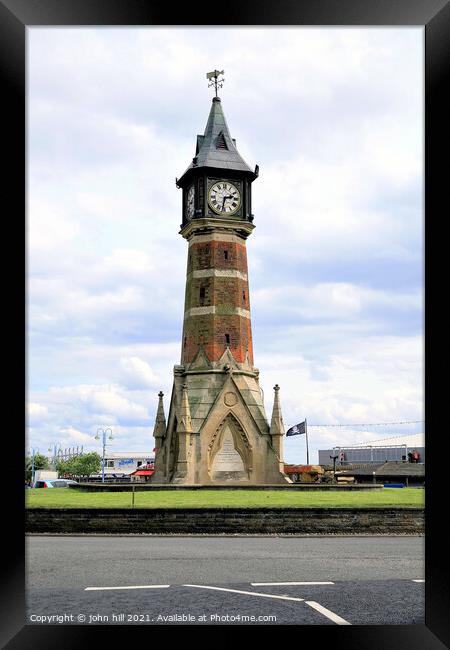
[{"x": 217, "y": 431}]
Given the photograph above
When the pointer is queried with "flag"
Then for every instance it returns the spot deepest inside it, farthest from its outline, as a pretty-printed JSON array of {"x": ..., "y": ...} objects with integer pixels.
[{"x": 297, "y": 429}]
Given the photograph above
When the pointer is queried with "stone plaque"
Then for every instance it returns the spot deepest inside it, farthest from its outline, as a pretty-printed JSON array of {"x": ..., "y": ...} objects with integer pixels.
[
  {"x": 228, "y": 464},
  {"x": 230, "y": 399}
]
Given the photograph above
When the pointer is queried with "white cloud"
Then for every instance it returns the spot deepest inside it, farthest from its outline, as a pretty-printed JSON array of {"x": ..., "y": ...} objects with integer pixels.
[
  {"x": 36, "y": 411},
  {"x": 137, "y": 373},
  {"x": 73, "y": 434},
  {"x": 49, "y": 229},
  {"x": 335, "y": 300},
  {"x": 104, "y": 404}
]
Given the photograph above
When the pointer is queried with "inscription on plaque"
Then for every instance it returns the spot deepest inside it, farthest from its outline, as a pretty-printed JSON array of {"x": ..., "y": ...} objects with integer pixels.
[{"x": 228, "y": 464}]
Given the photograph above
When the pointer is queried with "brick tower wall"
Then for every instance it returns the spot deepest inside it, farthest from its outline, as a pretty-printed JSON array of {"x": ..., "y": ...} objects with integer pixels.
[{"x": 217, "y": 300}]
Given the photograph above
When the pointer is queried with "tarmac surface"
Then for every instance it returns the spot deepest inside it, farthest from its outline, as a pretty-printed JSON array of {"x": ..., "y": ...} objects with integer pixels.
[{"x": 221, "y": 580}]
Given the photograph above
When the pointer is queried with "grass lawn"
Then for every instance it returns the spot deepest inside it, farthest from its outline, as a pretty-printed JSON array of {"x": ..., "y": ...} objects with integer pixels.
[{"x": 72, "y": 498}]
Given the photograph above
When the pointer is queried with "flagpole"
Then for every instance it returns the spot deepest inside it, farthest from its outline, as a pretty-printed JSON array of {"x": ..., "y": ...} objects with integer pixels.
[{"x": 307, "y": 449}]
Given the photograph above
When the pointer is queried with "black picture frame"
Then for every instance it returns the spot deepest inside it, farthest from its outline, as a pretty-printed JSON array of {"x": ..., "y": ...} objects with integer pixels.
[{"x": 434, "y": 16}]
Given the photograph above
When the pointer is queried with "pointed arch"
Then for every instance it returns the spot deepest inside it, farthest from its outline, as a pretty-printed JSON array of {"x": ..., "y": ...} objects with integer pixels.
[{"x": 241, "y": 443}]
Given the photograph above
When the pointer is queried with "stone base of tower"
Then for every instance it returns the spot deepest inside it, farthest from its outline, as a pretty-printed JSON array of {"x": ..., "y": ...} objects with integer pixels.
[{"x": 227, "y": 438}]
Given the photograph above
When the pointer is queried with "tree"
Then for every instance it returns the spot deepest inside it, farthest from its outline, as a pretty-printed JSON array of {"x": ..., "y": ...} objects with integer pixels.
[
  {"x": 40, "y": 462},
  {"x": 62, "y": 467},
  {"x": 81, "y": 466},
  {"x": 88, "y": 464}
]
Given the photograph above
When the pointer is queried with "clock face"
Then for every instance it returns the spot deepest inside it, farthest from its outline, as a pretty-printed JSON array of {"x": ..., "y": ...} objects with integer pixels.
[
  {"x": 190, "y": 202},
  {"x": 224, "y": 198}
]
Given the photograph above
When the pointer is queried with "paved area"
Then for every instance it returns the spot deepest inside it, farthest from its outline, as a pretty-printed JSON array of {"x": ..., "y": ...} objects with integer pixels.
[{"x": 242, "y": 580}]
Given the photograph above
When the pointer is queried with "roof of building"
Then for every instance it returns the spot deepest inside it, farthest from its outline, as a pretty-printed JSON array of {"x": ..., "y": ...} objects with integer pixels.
[
  {"x": 143, "y": 472},
  {"x": 389, "y": 468},
  {"x": 216, "y": 148}
]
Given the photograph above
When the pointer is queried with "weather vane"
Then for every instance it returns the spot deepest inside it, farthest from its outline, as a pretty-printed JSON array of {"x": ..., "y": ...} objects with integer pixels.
[{"x": 214, "y": 76}]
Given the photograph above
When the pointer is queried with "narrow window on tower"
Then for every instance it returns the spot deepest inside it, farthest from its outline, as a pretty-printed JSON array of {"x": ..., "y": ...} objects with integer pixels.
[
  {"x": 243, "y": 296},
  {"x": 225, "y": 254},
  {"x": 202, "y": 294},
  {"x": 227, "y": 339}
]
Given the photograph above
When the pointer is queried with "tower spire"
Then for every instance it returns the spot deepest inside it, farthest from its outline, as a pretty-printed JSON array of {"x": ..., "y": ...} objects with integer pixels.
[
  {"x": 159, "y": 434},
  {"x": 159, "y": 430},
  {"x": 276, "y": 425},
  {"x": 216, "y": 148},
  {"x": 184, "y": 421},
  {"x": 184, "y": 469},
  {"x": 277, "y": 429}
]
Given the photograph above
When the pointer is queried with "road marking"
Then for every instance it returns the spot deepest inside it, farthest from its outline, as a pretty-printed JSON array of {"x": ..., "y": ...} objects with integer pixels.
[
  {"x": 326, "y": 612},
  {"x": 418, "y": 580},
  {"x": 282, "y": 584},
  {"x": 129, "y": 587},
  {"x": 248, "y": 593}
]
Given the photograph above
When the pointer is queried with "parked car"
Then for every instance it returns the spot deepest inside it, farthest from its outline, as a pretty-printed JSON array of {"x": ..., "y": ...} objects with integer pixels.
[{"x": 54, "y": 483}]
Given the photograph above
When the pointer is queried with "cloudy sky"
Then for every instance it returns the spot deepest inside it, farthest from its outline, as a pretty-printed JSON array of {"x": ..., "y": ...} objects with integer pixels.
[{"x": 334, "y": 119}]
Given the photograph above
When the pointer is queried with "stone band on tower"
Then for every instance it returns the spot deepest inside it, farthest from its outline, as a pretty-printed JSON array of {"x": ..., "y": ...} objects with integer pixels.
[{"x": 217, "y": 430}]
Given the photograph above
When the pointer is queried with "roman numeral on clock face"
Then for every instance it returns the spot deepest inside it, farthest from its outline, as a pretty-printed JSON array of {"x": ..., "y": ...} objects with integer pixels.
[{"x": 224, "y": 197}]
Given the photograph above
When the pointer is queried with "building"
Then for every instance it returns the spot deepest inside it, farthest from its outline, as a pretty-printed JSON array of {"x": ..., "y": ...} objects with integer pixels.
[
  {"x": 124, "y": 463},
  {"x": 217, "y": 430},
  {"x": 143, "y": 474},
  {"x": 388, "y": 473},
  {"x": 396, "y": 448}
]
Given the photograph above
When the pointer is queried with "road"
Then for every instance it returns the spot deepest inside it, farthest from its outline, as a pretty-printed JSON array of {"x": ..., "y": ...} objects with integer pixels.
[{"x": 167, "y": 580}]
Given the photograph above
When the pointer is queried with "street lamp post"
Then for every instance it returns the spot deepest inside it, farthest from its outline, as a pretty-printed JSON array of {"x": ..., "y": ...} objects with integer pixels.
[
  {"x": 334, "y": 458},
  {"x": 56, "y": 450},
  {"x": 97, "y": 437},
  {"x": 33, "y": 454}
]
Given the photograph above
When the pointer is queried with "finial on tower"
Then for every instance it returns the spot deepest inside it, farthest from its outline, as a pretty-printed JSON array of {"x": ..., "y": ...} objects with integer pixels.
[
  {"x": 160, "y": 428},
  {"x": 184, "y": 417},
  {"x": 215, "y": 81},
  {"x": 276, "y": 425}
]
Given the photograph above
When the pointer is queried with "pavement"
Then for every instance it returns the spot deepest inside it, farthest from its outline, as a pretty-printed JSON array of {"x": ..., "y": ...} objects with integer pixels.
[{"x": 221, "y": 580}]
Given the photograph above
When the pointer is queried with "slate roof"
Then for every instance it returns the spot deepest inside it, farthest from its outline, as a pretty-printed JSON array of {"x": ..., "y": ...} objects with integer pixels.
[{"x": 216, "y": 148}]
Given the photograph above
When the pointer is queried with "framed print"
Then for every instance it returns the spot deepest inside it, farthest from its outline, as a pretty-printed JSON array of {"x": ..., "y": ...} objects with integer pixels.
[{"x": 315, "y": 128}]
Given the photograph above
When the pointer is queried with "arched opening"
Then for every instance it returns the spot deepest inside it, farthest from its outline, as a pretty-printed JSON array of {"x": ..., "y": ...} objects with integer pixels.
[{"x": 230, "y": 455}]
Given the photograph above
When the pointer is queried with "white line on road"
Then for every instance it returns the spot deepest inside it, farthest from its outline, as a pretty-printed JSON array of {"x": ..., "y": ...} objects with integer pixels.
[
  {"x": 129, "y": 587},
  {"x": 248, "y": 593},
  {"x": 326, "y": 612},
  {"x": 282, "y": 584},
  {"x": 418, "y": 580}
]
